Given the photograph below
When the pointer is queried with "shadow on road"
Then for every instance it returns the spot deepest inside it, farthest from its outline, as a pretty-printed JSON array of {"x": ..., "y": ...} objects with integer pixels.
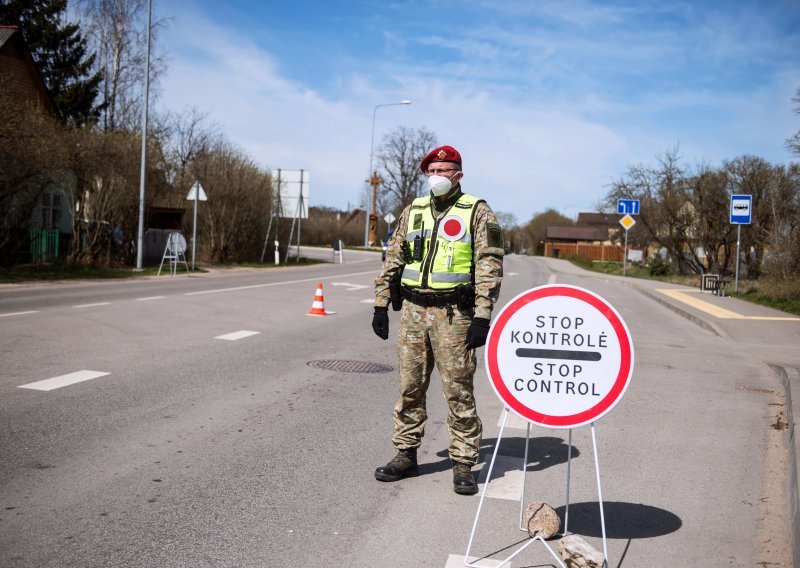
[
  {"x": 623, "y": 520},
  {"x": 543, "y": 452}
]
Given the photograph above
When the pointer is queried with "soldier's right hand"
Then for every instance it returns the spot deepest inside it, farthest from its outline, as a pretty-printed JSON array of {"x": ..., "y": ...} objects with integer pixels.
[{"x": 380, "y": 322}]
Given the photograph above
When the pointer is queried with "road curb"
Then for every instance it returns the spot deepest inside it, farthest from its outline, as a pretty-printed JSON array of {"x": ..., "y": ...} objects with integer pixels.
[
  {"x": 697, "y": 320},
  {"x": 793, "y": 489}
]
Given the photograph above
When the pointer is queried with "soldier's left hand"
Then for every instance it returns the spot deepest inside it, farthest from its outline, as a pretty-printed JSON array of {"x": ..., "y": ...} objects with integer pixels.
[
  {"x": 477, "y": 332},
  {"x": 380, "y": 322}
]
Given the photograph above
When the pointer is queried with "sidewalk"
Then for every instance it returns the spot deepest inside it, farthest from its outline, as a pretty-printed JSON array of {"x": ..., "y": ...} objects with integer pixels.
[{"x": 769, "y": 335}]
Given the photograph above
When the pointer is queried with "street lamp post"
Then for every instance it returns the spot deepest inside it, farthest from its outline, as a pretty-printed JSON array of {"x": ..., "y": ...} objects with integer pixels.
[
  {"x": 143, "y": 172},
  {"x": 373, "y": 178}
]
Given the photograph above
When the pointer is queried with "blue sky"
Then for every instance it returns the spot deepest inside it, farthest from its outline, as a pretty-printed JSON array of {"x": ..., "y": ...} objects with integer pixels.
[{"x": 548, "y": 102}]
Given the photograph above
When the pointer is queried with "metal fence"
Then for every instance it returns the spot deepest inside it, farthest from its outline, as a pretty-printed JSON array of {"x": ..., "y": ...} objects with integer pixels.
[{"x": 44, "y": 244}]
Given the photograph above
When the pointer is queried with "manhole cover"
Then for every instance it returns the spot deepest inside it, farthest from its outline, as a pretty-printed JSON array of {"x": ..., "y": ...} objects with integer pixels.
[{"x": 350, "y": 366}]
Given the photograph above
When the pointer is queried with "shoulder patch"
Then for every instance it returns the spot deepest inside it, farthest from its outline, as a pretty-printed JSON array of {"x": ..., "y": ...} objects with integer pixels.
[{"x": 494, "y": 235}]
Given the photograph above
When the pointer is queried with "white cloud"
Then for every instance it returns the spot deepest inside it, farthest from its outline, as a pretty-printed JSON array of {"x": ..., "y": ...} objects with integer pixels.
[{"x": 528, "y": 145}]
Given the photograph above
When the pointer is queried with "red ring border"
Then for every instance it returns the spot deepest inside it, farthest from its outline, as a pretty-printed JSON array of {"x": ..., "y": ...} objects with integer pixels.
[{"x": 571, "y": 420}]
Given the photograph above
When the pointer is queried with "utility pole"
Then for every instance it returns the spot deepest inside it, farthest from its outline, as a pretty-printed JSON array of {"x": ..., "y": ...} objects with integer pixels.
[{"x": 374, "y": 181}]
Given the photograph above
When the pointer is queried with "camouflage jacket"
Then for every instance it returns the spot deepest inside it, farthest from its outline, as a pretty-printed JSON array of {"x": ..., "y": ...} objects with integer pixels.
[{"x": 487, "y": 250}]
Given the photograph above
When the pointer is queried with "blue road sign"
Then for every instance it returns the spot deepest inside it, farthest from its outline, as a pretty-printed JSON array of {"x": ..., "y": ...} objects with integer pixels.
[
  {"x": 741, "y": 209},
  {"x": 628, "y": 206}
]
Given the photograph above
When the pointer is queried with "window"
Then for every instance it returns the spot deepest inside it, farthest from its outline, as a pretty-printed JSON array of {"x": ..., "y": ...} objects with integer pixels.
[{"x": 51, "y": 211}]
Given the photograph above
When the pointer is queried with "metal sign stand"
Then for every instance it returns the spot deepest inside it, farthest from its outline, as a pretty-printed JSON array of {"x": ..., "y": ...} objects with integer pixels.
[
  {"x": 506, "y": 411},
  {"x": 299, "y": 212},
  {"x": 276, "y": 212},
  {"x": 174, "y": 252}
]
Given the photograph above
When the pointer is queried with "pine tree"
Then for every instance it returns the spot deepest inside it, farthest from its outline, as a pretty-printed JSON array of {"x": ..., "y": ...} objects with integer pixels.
[{"x": 60, "y": 52}]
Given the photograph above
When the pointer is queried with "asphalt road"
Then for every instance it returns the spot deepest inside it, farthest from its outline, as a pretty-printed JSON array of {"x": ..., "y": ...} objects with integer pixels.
[{"x": 199, "y": 451}]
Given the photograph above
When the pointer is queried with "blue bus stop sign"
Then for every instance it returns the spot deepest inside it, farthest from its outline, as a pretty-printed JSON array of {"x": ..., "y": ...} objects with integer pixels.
[{"x": 741, "y": 209}]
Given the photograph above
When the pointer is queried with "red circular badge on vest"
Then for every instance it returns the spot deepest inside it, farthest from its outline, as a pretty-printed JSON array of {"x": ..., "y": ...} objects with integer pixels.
[{"x": 452, "y": 228}]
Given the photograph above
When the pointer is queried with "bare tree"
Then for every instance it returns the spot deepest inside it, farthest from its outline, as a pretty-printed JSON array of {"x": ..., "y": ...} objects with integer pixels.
[
  {"x": 106, "y": 168},
  {"x": 793, "y": 143},
  {"x": 189, "y": 134},
  {"x": 399, "y": 157},
  {"x": 751, "y": 175},
  {"x": 117, "y": 32},
  {"x": 707, "y": 191},
  {"x": 33, "y": 156},
  {"x": 233, "y": 221},
  {"x": 666, "y": 214}
]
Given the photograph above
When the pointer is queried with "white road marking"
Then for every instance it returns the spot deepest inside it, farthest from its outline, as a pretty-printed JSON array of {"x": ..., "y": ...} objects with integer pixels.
[
  {"x": 456, "y": 561},
  {"x": 513, "y": 421},
  {"x": 551, "y": 279},
  {"x": 19, "y": 313},
  {"x": 150, "y": 298},
  {"x": 237, "y": 335},
  {"x": 350, "y": 287},
  {"x": 506, "y": 480},
  {"x": 64, "y": 380},
  {"x": 369, "y": 301},
  {"x": 511, "y": 274},
  {"x": 92, "y": 305},
  {"x": 316, "y": 279}
]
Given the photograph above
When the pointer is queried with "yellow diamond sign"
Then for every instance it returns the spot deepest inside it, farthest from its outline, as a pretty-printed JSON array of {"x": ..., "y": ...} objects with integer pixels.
[{"x": 627, "y": 221}]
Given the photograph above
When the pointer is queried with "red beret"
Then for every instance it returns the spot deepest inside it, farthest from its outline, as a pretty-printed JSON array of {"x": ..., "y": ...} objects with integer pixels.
[{"x": 440, "y": 154}]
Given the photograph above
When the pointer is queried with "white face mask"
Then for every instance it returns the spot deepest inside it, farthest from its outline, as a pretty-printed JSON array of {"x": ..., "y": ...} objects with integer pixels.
[{"x": 439, "y": 185}]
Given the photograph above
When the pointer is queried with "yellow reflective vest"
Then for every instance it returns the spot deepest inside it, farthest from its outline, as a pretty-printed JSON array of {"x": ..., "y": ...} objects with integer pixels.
[{"x": 446, "y": 260}]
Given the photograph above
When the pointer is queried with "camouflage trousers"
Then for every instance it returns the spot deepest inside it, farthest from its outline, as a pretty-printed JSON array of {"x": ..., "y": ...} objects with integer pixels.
[{"x": 436, "y": 335}]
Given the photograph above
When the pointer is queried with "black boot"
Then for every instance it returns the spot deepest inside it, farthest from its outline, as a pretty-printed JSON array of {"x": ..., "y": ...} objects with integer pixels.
[
  {"x": 404, "y": 464},
  {"x": 463, "y": 481}
]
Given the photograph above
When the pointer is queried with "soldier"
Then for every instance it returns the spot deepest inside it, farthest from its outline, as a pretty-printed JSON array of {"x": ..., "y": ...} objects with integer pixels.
[{"x": 444, "y": 264}]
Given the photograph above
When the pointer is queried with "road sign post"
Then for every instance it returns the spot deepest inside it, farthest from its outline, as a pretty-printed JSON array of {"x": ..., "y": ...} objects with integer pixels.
[
  {"x": 195, "y": 194},
  {"x": 741, "y": 214},
  {"x": 559, "y": 357},
  {"x": 627, "y": 222}
]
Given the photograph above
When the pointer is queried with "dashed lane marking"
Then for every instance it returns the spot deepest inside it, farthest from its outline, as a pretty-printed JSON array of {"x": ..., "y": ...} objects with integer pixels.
[
  {"x": 64, "y": 380},
  {"x": 270, "y": 284},
  {"x": 19, "y": 313},
  {"x": 713, "y": 309},
  {"x": 350, "y": 287},
  {"x": 368, "y": 301},
  {"x": 237, "y": 335},
  {"x": 551, "y": 279},
  {"x": 92, "y": 305},
  {"x": 150, "y": 298}
]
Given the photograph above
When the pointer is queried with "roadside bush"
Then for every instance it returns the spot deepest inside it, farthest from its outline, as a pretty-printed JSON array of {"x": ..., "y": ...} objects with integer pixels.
[{"x": 658, "y": 266}]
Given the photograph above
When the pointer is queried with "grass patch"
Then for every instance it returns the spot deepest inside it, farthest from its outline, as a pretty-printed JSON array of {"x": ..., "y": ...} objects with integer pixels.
[
  {"x": 632, "y": 270},
  {"x": 47, "y": 272},
  {"x": 782, "y": 295},
  {"x": 53, "y": 272}
]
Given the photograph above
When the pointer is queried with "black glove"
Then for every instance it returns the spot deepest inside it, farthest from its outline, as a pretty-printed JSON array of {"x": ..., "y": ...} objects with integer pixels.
[
  {"x": 380, "y": 322},
  {"x": 477, "y": 332}
]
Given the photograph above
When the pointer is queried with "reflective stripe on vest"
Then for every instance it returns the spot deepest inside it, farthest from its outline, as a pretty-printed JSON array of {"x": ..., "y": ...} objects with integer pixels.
[{"x": 433, "y": 271}]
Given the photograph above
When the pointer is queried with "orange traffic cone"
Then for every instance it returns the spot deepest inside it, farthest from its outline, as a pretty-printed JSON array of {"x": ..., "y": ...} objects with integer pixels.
[{"x": 318, "y": 307}]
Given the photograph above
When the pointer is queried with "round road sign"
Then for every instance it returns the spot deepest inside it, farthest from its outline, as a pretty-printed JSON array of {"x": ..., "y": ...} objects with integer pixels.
[{"x": 559, "y": 356}]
